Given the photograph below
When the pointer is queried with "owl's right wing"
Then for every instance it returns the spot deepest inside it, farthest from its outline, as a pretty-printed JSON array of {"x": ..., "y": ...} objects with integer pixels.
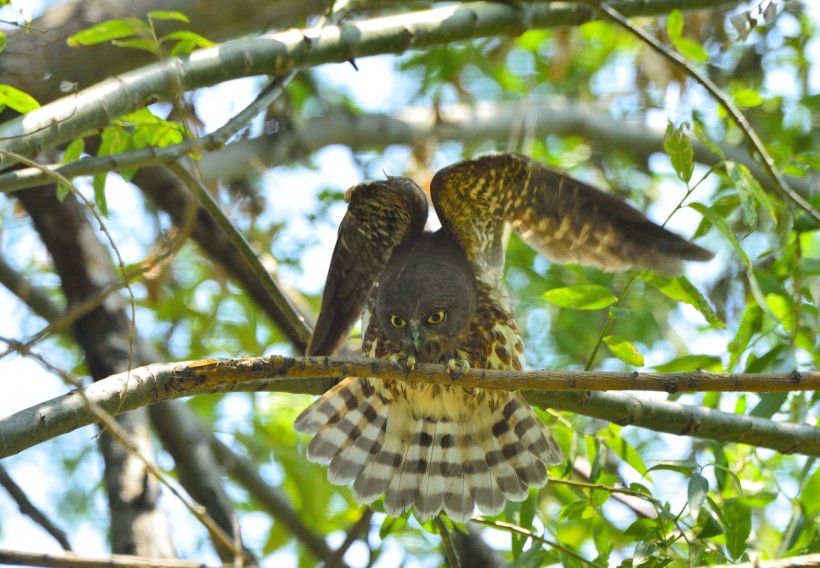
[{"x": 380, "y": 216}]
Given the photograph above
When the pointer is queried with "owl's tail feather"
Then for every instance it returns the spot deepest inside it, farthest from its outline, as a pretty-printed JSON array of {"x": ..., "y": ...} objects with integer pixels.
[{"x": 494, "y": 449}]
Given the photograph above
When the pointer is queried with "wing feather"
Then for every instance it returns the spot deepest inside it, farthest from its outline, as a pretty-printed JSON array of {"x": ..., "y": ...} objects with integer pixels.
[
  {"x": 380, "y": 216},
  {"x": 562, "y": 218}
]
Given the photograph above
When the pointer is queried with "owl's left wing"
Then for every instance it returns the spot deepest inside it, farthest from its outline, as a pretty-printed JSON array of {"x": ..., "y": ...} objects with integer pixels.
[
  {"x": 562, "y": 218},
  {"x": 380, "y": 216}
]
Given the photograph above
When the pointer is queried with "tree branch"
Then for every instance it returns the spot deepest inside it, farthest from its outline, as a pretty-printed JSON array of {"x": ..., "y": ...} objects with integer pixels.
[
  {"x": 94, "y": 107},
  {"x": 153, "y": 383},
  {"x": 13, "y": 557},
  {"x": 464, "y": 123}
]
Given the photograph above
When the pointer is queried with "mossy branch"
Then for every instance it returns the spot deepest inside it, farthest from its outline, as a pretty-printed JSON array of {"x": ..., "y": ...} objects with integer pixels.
[{"x": 153, "y": 383}]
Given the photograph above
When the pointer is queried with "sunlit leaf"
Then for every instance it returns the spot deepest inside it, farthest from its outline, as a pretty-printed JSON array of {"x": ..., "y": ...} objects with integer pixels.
[
  {"x": 748, "y": 98},
  {"x": 692, "y": 50},
  {"x": 17, "y": 100},
  {"x": 168, "y": 15},
  {"x": 624, "y": 350},
  {"x": 109, "y": 30},
  {"x": 674, "y": 25},
  {"x": 691, "y": 363},
  {"x": 581, "y": 297},
  {"x": 681, "y": 289}
]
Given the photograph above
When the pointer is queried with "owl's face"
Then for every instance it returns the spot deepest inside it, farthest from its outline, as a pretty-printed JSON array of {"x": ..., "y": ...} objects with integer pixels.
[{"x": 426, "y": 298}]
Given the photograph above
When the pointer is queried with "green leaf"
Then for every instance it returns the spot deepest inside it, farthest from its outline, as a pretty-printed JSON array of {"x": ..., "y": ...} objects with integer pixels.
[
  {"x": 700, "y": 303},
  {"x": 534, "y": 557},
  {"x": 624, "y": 350},
  {"x": 3, "y": 42},
  {"x": 751, "y": 193},
  {"x": 168, "y": 15},
  {"x": 72, "y": 153},
  {"x": 391, "y": 524},
  {"x": 681, "y": 289},
  {"x": 770, "y": 402},
  {"x": 99, "y": 193},
  {"x": 17, "y": 100},
  {"x": 624, "y": 449},
  {"x": 581, "y": 297},
  {"x": 691, "y": 49},
  {"x": 748, "y": 98},
  {"x": 720, "y": 224},
  {"x": 678, "y": 146},
  {"x": 674, "y": 25},
  {"x": 696, "y": 493},
  {"x": 737, "y": 525},
  {"x": 109, "y": 30},
  {"x": 573, "y": 510},
  {"x": 709, "y": 525},
  {"x": 186, "y": 42},
  {"x": 148, "y": 45},
  {"x": 691, "y": 363}
]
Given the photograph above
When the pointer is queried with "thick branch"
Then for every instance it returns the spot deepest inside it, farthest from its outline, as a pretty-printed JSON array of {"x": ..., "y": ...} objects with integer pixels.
[
  {"x": 93, "y": 108},
  {"x": 153, "y": 383},
  {"x": 464, "y": 123}
]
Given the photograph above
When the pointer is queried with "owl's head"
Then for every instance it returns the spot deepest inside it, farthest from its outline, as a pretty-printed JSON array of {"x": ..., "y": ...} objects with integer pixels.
[{"x": 426, "y": 297}]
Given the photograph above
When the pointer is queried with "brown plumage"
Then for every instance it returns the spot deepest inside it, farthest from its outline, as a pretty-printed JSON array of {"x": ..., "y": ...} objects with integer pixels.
[{"x": 437, "y": 297}]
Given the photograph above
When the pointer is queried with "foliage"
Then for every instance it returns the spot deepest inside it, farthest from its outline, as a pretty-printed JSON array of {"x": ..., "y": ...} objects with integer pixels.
[{"x": 625, "y": 496}]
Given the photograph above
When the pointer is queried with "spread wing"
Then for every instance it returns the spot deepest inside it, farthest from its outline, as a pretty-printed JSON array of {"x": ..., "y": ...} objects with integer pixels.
[
  {"x": 380, "y": 216},
  {"x": 562, "y": 218}
]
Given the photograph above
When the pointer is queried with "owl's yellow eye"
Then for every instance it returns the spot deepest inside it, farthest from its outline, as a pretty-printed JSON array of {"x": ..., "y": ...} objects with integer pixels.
[
  {"x": 436, "y": 317},
  {"x": 397, "y": 321}
]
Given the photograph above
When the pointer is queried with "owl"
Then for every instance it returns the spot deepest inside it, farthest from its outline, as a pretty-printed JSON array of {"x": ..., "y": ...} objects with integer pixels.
[{"x": 437, "y": 297}]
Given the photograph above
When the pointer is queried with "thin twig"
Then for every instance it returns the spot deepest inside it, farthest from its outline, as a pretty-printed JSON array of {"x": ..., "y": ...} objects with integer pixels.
[
  {"x": 113, "y": 428},
  {"x": 511, "y": 528},
  {"x": 28, "y": 508},
  {"x": 450, "y": 552},
  {"x": 723, "y": 99},
  {"x": 361, "y": 527}
]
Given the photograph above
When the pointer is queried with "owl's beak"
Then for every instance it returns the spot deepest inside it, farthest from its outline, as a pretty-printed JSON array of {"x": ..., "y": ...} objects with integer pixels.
[{"x": 414, "y": 334}]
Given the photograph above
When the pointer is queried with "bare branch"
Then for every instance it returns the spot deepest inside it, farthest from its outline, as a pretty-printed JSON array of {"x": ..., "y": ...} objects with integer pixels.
[
  {"x": 279, "y": 53},
  {"x": 154, "y": 383}
]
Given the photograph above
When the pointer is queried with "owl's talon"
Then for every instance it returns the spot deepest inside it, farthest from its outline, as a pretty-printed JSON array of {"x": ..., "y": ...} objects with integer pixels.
[
  {"x": 457, "y": 368},
  {"x": 403, "y": 362}
]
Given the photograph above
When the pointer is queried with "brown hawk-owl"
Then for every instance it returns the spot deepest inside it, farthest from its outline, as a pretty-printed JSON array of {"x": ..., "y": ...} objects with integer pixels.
[{"x": 436, "y": 297}]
